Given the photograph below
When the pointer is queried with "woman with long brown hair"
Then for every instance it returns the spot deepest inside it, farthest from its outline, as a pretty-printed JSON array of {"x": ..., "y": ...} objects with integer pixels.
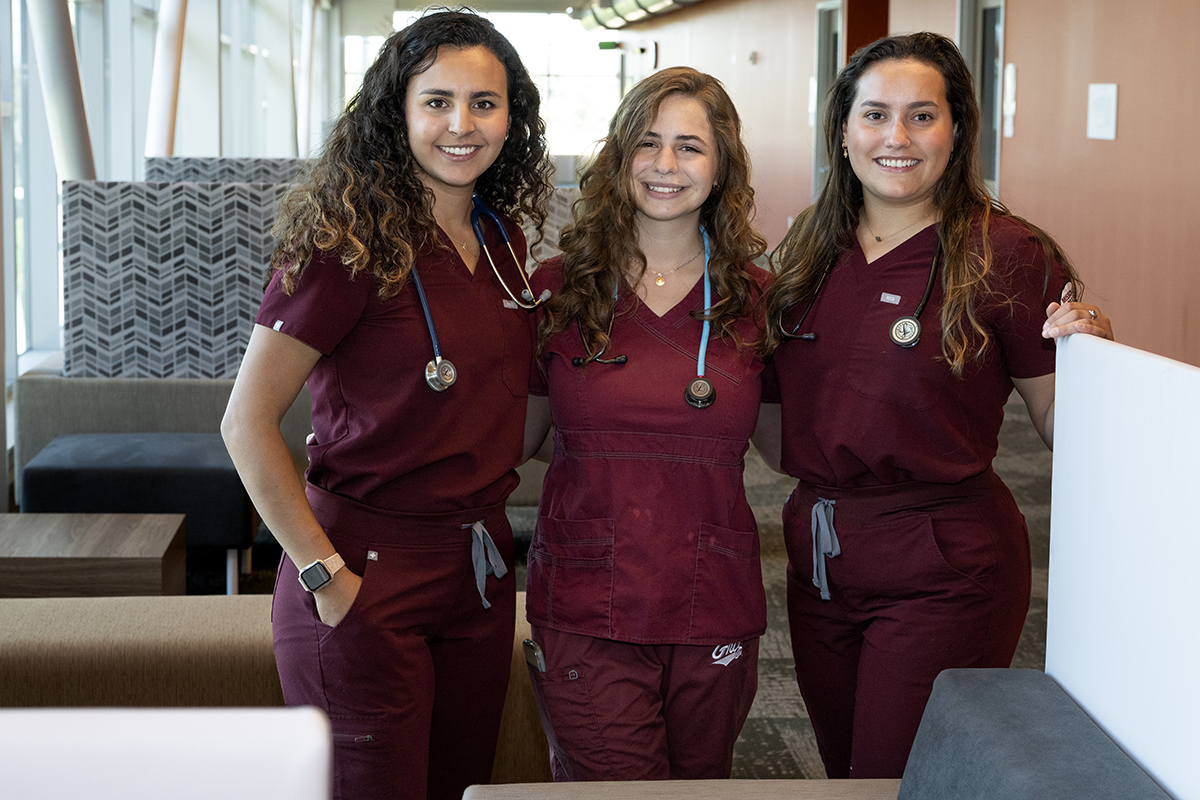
[
  {"x": 390, "y": 611},
  {"x": 907, "y": 307},
  {"x": 644, "y": 588}
]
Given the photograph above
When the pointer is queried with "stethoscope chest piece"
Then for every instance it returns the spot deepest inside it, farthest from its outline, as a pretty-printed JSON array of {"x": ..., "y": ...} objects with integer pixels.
[
  {"x": 440, "y": 374},
  {"x": 906, "y": 331},
  {"x": 700, "y": 393}
]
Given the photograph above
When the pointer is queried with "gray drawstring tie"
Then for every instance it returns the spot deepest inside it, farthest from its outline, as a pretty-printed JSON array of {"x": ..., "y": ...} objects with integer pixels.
[
  {"x": 825, "y": 542},
  {"x": 485, "y": 557}
]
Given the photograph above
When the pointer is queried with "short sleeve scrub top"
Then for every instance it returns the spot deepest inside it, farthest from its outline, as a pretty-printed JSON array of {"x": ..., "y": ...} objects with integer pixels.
[
  {"x": 898, "y": 520},
  {"x": 408, "y": 482}
]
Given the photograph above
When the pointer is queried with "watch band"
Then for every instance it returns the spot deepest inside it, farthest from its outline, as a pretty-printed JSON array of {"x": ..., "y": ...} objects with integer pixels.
[{"x": 320, "y": 572}]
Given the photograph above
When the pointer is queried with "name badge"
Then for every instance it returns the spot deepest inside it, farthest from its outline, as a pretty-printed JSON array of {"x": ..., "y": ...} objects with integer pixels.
[{"x": 888, "y": 297}]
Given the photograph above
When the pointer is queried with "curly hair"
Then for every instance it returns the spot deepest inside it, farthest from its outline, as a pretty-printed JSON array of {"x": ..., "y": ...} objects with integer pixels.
[
  {"x": 362, "y": 197},
  {"x": 826, "y": 229},
  {"x": 602, "y": 244}
]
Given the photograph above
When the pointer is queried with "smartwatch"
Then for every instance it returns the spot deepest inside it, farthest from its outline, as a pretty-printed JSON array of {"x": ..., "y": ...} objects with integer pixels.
[{"x": 320, "y": 572}]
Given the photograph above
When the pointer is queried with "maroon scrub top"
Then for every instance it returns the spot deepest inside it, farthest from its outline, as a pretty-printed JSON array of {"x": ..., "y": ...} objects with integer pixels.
[
  {"x": 383, "y": 437},
  {"x": 644, "y": 534},
  {"x": 859, "y": 410}
]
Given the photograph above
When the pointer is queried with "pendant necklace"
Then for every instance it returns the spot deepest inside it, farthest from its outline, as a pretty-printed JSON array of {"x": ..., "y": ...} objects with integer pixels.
[
  {"x": 662, "y": 276},
  {"x": 890, "y": 235}
]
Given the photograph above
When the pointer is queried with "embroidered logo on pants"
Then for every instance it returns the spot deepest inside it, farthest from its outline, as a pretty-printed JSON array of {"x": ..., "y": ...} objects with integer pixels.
[{"x": 725, "y": 653}]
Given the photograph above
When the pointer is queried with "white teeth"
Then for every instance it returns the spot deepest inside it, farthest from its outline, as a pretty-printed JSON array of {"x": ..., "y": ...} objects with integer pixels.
[
  {"x": 897, "y": 163},
  {"x": 664, "y": 189},
  {"x": 459, "y": 151}
]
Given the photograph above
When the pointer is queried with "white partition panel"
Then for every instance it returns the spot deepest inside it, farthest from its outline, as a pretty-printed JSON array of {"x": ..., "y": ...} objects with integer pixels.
[
  {"x": 165, "y": 754},
  {"x": 1123, "y": 632}
]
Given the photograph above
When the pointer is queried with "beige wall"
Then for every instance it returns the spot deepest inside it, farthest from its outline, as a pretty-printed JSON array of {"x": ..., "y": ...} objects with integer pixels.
[{"x": 1127, "y": 211}]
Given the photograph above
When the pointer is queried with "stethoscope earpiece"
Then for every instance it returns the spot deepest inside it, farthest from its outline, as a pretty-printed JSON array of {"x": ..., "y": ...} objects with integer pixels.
[
  {"x": 440, "y": 374},
  {"x": 700, "y": 393}
]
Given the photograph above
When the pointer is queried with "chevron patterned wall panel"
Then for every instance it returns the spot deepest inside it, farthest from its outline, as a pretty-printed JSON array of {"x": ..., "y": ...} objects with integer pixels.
[
  {"x": 163, "y": 279},
  {"x": 222, "y": 170}
]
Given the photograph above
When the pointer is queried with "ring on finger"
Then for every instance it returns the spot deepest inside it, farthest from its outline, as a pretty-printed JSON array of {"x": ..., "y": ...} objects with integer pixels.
[{"x": 1092, "y": 311}]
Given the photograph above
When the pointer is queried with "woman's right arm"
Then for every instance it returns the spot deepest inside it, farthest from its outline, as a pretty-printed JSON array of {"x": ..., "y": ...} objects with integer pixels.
[
  {"x": 539, "y": 444},
  {"x": 273, "y": 371}
]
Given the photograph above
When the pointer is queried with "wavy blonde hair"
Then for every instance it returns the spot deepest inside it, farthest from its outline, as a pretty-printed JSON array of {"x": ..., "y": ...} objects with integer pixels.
[{"x": 602, "y": 242}]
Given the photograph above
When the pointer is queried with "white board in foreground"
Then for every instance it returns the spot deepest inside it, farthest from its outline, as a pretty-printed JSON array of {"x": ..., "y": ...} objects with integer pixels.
[
  {"x": 1123, "y": 627},
  {"x": 155, "y": 753}
]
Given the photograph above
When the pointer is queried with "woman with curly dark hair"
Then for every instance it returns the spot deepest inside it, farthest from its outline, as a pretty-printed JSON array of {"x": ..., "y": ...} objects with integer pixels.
[
  {"x": 908, "y": 306},
  {"x": 390, "y": 611},
  {"x": 644, "y": 588}
]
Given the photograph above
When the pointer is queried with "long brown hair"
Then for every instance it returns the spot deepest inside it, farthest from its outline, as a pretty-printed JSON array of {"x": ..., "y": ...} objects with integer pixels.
[
  {"x": 824, "y": 230},
  {"x": 602, "y": 242},
  {"x": 362, "y": 197}
]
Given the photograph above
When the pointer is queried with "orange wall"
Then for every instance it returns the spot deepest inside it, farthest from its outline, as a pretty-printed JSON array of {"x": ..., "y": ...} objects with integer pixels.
[{"x": 1127, "y": 211}]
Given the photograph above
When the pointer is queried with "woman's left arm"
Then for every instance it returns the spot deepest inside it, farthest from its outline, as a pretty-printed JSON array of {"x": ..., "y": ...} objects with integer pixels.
[
  {"x": 1038, "y": 394},
  {"x": 1062, "y": 319}
]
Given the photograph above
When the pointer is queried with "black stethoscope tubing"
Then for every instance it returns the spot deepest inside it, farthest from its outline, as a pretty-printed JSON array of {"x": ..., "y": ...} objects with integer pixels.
[
  {"x": 440, "y": 373},
  {"x": 905, "y": 331},
  {"x": 700, "y": 392}
]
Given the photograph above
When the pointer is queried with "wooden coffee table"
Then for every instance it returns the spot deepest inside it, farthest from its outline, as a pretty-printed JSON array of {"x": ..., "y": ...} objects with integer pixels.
[{"x": 91, "y": 555}]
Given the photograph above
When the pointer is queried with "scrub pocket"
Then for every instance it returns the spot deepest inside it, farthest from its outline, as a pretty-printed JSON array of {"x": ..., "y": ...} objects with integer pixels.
[
  {"x": 727, "y": 594},
  {"x": 570, "y": 576}
]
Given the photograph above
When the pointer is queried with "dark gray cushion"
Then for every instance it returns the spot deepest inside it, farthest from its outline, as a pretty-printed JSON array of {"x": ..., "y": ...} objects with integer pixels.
[
  {"x": 1014, "y": 733},
  {"x": 144, "y": 473}
]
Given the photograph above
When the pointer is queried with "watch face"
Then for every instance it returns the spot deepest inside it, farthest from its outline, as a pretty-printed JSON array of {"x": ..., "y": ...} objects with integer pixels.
[{"x": 315, "y": 576}]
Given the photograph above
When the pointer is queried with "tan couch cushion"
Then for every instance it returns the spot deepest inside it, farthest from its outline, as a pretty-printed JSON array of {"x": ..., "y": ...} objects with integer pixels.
[
  {"x": 693, "y": 790},
  {"x": 138, "y": 651},
  {"x": 522, "y": 755}
]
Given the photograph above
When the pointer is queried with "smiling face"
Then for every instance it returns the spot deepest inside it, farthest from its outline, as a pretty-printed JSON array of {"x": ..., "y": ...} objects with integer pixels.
[
  {"x": 457, "y": 114},
  {"x": 899, "y": 132},
  {"x": 675, "y": 163}
]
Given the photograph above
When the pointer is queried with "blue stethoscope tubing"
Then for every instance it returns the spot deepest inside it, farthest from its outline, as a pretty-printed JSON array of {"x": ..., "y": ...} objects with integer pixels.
[
  {"x": 699, "y": 393},
  {"x": 440, "y": 373}
]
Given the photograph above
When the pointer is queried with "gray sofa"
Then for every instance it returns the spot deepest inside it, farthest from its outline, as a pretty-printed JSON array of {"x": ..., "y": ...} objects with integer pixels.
[{"x": 987, "y": 734}]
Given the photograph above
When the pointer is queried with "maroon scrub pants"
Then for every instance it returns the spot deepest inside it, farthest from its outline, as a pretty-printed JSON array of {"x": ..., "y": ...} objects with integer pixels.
[
  {"x": 620, "y": 711},
  {"x": 929, "y": 577},
  {"x": 413, "y": 678}
]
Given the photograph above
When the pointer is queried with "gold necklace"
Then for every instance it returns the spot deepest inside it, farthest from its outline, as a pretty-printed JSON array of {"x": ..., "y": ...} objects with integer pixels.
[
  {"x": 662, "y": 276},
  {"x": 890, "y": 235}
]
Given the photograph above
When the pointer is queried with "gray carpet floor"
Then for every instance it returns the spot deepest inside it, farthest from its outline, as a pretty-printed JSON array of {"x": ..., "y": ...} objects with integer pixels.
[{"x": 777, "y": 741}]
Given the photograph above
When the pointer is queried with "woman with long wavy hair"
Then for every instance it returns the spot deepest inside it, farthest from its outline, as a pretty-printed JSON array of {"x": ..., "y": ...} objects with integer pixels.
[
  {"x": 644, "y": 588},
  {"x": 908, "y": 305},
  {"x": 391, "y": 613}
]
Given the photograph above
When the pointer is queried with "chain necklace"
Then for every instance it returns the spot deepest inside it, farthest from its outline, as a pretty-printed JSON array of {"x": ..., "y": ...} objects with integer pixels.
[
  {"x": 892, "y": 234},
  {"x": 662, "y": 276}
]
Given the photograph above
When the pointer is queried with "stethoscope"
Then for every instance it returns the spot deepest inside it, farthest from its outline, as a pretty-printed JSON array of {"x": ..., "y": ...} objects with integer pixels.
[
  {"x": 699, "y": 393},
  {"x": 905, "y": 331},
  {"x": 440, "y": 374}
]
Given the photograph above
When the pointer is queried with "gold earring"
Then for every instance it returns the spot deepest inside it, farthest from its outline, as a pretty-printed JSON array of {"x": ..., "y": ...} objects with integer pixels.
[{"x": 845, "y": 151}]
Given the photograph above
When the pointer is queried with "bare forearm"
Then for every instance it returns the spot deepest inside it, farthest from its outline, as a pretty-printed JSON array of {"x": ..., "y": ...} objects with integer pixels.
[{"x": 265, "y": 466}]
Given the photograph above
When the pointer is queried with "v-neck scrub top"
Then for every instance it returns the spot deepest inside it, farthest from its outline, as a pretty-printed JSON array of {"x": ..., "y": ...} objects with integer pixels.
[
  {"x": 644, "y": 534},
  {"x": 381, "y": 435},
  {"x": 860, "y": 411}
]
